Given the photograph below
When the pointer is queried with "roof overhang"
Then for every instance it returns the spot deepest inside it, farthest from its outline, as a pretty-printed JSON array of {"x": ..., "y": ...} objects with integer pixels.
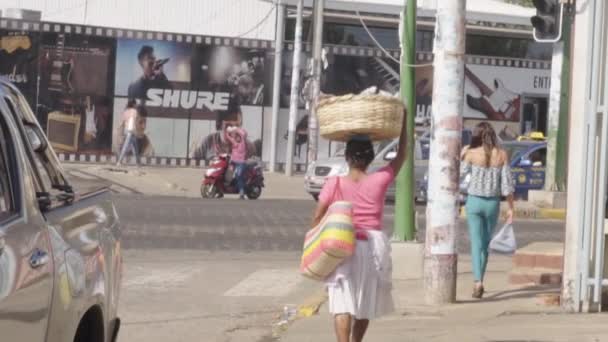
[{"x": 492, "y": 11}]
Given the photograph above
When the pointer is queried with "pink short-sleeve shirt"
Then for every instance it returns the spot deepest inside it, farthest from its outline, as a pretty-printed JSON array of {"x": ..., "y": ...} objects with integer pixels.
[{"x": 367, "y": 196}]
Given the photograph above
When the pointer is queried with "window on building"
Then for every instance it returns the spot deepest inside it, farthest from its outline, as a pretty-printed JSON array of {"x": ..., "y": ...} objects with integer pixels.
[
  {"x": 424, "y": 41},
  {"x": 507, "y": 47},
  {"x": 356, "y": 35},
  {"x": 388, "y": 37}
]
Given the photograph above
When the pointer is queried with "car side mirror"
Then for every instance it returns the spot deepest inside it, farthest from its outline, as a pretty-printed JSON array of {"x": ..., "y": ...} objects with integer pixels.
[
  {"x": 390, "y": 155},
  {"x": 525, "y": 162},
  {"x": 35, "y": 138}
]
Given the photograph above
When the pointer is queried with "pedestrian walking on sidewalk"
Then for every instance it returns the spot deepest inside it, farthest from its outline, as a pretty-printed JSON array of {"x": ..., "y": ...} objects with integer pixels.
[
  {"x": 128, "y": 123},
  {"x": 490, "y": 178},
  {"x": 360, "y": 288}
]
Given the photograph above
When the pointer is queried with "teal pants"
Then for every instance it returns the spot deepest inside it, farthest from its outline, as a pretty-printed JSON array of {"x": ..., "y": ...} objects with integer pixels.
[{"x": 482, "y": 216}]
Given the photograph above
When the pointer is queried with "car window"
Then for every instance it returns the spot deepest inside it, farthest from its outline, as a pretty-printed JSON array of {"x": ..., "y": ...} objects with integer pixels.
[
  {"x": 538, "y": 157},
  {"x": 8, "y": 175},
  {"x": 514, "y": 151},
  {"x": 39, "y": 165}
]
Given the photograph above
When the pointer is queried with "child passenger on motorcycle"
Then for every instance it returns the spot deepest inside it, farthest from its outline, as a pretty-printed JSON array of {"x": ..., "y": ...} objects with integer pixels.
[{"x": 238, "y": 139}]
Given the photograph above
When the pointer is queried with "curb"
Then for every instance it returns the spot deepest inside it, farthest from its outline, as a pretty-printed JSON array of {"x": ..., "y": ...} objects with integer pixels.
[{"x": 530, "y": 214}]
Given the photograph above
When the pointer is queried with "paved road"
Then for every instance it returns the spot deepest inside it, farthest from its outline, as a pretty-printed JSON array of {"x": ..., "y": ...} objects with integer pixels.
[
  {"x": 222, "y": 270},
  {"x": 265, "y": 225}
]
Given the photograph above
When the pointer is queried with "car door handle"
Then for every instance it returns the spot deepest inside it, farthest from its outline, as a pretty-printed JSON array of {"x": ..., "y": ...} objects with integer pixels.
[{"x": 39, "y": 258}]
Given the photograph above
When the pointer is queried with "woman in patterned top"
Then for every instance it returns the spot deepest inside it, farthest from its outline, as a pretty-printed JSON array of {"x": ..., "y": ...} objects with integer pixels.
[{"x": 490, "y": 179}]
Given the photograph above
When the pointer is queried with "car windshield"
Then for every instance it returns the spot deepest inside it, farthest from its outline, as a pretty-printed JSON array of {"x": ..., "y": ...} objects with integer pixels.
[{"x": 513, "y": 151}]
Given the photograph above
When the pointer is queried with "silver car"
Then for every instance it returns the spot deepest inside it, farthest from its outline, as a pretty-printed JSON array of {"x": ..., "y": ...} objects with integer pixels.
[
  {"x": 319, "y": 171},
  {"x": 60, "y": 254}
]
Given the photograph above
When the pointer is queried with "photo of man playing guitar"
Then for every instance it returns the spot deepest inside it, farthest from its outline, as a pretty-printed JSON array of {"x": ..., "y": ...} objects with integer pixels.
[{"x": 496, "y": 103}]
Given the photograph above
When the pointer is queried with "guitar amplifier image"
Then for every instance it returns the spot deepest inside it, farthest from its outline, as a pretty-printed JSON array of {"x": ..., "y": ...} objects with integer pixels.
[{"x": 63, "y": 131}]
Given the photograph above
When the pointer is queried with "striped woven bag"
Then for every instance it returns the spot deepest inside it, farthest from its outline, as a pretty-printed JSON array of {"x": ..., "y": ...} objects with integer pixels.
[{"x": 330, "y": 242}]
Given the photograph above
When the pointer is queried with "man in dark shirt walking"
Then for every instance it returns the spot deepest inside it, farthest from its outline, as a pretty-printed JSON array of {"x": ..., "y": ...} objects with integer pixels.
[{"x": 153, "y": 76}]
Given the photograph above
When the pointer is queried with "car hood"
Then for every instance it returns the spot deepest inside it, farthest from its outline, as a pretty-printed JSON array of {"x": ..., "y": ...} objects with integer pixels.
[
  {"x": 84, "y": 184},
  {"x": 330, "y": 162}
]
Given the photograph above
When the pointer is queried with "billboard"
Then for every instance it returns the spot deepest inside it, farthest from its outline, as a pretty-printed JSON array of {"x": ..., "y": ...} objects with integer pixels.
[
  {"x": 73, "y": 104},
  {"x": 19, "y": 56},
  {"x": 191, "y": 94}
]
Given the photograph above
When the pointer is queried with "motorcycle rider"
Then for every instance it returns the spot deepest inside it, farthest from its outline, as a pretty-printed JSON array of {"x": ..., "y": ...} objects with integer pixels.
[{"x": 238, "y": 139}]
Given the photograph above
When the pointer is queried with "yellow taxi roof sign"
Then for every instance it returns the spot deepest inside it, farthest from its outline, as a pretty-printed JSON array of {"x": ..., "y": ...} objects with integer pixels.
[
  {"x": 532, "y": 136},
  {"x": 537, "y": 136}
]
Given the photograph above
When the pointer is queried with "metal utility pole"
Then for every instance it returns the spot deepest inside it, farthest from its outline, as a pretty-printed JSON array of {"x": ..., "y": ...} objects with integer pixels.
[
  {"x": 276, "y": 84},
  {"x": 295, "y": 91},
  {"x": 440, "y": 258},
  {"x": 405, "y": 219},
  {"x": 557, "y": 133},
  {"x": 313, "y": 125}
]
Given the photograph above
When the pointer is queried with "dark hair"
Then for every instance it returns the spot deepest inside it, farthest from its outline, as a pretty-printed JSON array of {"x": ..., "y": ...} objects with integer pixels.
[
  {"x": 142, "y": 111},
  {"x": 145, "y": 50},
  {"x": 359, "y": 153},
  {"x": 131, "y": 103},
  {"x": 105, "y": 101},
  {"x": 484, "y": 136},
  {"x": 234, "y": 108}
]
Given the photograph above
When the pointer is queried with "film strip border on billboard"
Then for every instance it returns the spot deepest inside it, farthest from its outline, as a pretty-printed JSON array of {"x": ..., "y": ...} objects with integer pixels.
[
  {"x": 345, "y": 50},
  {"x": 22, "y": 25},
  {"x": 89, "y": 158},
  {"x": 425, "y": 57}
]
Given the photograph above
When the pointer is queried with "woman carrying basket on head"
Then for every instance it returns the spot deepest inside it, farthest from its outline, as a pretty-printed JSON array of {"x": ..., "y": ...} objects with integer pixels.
[{"x": 360, "y": 288}]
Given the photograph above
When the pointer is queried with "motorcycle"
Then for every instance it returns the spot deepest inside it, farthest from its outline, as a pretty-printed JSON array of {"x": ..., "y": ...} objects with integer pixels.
[{"x": 219, "y": 179}]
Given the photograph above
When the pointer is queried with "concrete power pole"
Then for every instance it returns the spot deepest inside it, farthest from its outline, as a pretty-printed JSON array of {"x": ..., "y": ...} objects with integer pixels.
[
  {"x": 317, "y": 47},
  {"x": 440, "y": 259},
  {"x": 276, "y": 85},
  {"x": 557, "y": 136},
  {"x": 295, "y": 91}
]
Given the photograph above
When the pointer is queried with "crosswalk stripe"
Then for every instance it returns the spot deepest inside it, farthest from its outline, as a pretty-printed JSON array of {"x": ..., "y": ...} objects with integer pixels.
[{"x": 266, "y": 283}]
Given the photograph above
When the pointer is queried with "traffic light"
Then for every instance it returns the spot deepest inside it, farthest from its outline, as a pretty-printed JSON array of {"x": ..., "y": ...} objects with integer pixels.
[{"x": 547, "y": 22}]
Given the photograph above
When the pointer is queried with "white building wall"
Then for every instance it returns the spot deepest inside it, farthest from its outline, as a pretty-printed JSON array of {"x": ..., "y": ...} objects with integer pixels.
[{"x": 229, "y": 18}]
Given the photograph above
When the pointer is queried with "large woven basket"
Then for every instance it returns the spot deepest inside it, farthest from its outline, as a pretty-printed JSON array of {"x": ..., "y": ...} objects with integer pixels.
[{"x": 378, "y": 116}]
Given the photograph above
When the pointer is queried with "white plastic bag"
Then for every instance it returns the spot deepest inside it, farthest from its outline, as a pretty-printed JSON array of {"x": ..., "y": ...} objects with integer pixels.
[{"x": 504, "y": 241}]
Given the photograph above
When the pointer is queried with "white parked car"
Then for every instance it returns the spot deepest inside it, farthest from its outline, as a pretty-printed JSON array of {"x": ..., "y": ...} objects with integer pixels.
[{"x": 319, "y": 171}]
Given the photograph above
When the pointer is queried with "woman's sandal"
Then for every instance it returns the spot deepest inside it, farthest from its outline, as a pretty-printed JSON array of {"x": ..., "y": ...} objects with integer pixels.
[{"x": 478, "y": 292}]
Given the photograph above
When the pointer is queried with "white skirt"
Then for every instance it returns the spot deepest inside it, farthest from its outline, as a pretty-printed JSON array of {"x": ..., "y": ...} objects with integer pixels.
[{"x": 361, "y": 286}]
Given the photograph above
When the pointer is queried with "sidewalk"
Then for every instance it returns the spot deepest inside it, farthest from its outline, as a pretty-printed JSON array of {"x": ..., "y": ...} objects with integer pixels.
[
  {"x": 505, "y": 314},
  {"x": 528, "y": 211},
  {"x": 178, "y": 182}
]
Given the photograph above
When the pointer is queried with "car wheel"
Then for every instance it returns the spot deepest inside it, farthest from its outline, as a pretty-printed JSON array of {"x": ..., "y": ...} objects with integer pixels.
[
  {"x": 91, "y": 327},
  {"x": 254, "y": 192}
]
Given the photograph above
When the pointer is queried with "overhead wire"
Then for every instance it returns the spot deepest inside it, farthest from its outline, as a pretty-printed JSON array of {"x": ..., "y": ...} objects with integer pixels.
[
  {"x": 388, "y": 54},
  {"x": 259, "y": 23}
]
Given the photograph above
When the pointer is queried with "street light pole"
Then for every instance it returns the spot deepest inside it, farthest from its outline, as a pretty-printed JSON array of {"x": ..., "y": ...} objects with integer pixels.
[
  {"x": 440, "y": 258},
  {"x": 276, "y": 85},
  {"x": 317, "y": 47},
  {"x": 405, "y": 222},
  {"x": 295, "y": 91}
]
